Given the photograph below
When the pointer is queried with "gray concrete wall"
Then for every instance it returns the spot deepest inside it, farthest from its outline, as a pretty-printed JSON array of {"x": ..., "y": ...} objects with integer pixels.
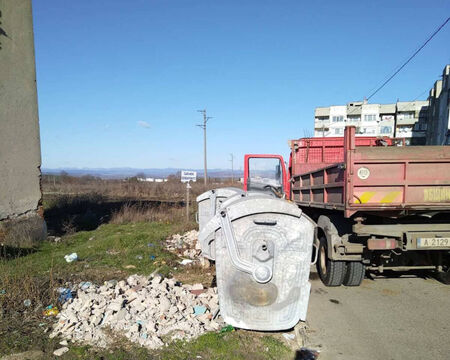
[
  {"x": 438, "y": 132},
  {"x": 20, "y": 156}
]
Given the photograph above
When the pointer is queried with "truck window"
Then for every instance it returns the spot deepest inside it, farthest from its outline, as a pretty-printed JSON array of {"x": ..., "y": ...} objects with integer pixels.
[{"x": 265, "y": 174}]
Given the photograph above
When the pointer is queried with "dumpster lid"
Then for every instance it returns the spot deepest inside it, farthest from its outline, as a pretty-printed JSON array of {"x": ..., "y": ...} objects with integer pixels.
[
  {"x": 220, "y": 192},
  {"x": 245, "y": 206}
]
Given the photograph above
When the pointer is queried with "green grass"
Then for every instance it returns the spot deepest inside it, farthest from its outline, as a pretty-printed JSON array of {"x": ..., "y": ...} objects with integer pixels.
[
  {"x": 105, "y": 251},
  {"x": 231, "y": 346}
]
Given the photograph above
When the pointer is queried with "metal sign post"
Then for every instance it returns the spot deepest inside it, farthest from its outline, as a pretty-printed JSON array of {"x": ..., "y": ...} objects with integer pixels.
[
  {"x": 188, "y": 187},
  {"x": 186, "y": 177}
]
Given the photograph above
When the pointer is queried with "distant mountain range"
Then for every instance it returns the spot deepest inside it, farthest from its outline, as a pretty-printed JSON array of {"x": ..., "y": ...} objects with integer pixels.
[{"x": 120, "y": 173}]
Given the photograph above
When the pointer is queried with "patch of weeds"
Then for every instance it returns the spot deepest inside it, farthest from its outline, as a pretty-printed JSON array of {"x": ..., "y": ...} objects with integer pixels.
[
  {"x": 236, "y": 345},
  {"x": 195, "y": 273}
]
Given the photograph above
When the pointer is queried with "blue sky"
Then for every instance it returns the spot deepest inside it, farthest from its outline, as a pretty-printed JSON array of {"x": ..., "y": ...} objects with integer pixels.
[{"x": 120, "y": 82}]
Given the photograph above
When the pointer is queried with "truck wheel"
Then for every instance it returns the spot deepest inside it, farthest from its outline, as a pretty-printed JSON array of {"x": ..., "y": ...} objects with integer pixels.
[
  {"x": 354, "y": 274},
  {"x": 444, "y": 276},
  {"x": 331, "y": 272}
]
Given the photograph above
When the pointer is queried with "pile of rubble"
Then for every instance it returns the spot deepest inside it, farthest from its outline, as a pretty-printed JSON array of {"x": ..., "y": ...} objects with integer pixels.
[
  {"x": 185, "y": 245},
  {"x": 148, "y": 311}
]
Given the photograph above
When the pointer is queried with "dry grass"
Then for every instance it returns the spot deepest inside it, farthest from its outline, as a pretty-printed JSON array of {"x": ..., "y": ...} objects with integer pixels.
[
  {"x": 172, "y": 190},
  {"x": 130, "y": 213},
  {"x": 195, "y": 273},
  {"x": 23, "y": 232}
]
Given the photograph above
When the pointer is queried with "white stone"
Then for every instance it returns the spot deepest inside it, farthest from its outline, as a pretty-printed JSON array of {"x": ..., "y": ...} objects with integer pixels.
[
  {"x": 197, "y": 287},
  {"x": 61, "y": 351}
]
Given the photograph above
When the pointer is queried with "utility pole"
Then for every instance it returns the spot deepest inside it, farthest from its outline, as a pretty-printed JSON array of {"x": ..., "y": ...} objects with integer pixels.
[
  {"x": 203, "y": 126},
  {"x": 232, "y": 169}
]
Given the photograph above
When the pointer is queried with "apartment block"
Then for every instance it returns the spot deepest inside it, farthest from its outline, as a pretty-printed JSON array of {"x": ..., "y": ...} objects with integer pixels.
[
  {"x": 437, "y": 124},
  {"x": 391, "y": 120}
]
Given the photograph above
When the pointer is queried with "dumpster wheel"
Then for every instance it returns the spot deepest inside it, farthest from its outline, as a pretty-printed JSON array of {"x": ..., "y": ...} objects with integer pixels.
[
  {"x": 331, "y": 272},
  {"x": 354, "y": 274}
]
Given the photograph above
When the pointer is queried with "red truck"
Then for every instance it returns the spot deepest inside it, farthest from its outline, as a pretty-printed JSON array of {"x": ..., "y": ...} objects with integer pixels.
[{"x": 378, "y": 205}]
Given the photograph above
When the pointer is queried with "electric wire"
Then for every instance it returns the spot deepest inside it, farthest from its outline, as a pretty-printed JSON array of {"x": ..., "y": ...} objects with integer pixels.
[{"x": 409, "y": 59}]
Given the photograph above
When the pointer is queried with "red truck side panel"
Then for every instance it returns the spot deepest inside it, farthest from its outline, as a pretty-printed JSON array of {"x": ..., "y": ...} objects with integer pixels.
[
  {"x": 378, "y": 179},
  {"x": 314, "y": 153}
]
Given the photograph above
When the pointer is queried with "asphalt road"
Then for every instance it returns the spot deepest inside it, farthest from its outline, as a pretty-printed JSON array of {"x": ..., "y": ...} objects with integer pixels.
[{"x": 383, "y": 319}]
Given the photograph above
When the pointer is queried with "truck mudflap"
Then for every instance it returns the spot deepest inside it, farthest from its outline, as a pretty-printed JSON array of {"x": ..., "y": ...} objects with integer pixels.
[
  {"x": 209, "y": 201},
  {"x": 263, "y": 254}
]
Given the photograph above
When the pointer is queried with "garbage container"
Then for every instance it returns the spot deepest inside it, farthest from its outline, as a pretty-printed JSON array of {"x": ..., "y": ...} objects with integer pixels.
[
  {"x": 209, "y": 202},
  {"x": 263, "y": 252},
  {"x": 207, "y": 233}
]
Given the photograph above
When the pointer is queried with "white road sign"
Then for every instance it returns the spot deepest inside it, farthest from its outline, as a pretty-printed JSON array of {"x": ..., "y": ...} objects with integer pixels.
[{"x": 187, "y": 176}]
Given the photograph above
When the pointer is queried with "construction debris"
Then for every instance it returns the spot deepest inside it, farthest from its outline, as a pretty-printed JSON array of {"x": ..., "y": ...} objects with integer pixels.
[
  {"x": 150, "y": 311},
  {"x": 185, "y": 245}
]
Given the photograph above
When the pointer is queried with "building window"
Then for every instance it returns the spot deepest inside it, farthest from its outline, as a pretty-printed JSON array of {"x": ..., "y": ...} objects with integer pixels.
[
  {"x": 370, "y": 131},
  {"x": 420, "y": 127},
  {"x": 406, "y": 115},
  {"x": 322, "y": 118},
  {"x": 404, "y": 129},
  {"x": 339, "y": 131},
  {"x": 338, "y": 118},
  {"x": 370, "y": 117},
  {"x": 386, "y": 130},
  {"x": 353, "y": 118}
]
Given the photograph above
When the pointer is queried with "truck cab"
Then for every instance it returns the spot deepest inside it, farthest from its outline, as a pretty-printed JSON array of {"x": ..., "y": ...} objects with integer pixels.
[
  {"x": 378, "y": 205},
  {"x": 266, "y": 173}
]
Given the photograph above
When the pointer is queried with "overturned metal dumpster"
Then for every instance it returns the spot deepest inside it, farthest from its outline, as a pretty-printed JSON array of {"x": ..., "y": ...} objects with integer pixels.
[
  {"x": 210, "y": 201},
  {"x": 207, "y": 233},
  {"x": 263, "y": 253}
]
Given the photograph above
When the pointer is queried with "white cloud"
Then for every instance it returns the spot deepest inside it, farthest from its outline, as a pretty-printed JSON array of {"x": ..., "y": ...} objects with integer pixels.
[{"x": 144, "y": 124}]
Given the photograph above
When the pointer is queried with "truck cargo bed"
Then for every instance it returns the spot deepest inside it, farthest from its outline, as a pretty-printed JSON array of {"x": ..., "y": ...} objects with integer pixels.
[{"x": 396, "y": 179}]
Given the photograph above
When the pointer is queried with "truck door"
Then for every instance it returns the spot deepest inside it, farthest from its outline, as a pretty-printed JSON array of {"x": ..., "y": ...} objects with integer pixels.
[{"x": 266, "y": 173}]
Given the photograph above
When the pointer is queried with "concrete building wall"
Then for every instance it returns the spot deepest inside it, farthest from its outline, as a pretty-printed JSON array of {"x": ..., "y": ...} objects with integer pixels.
[
  {"x": 20, "y": 157},
  {"x": 438, "y": 126},
  {"x": 337, "y": 120},
  {"x": 370, "y": 116}
]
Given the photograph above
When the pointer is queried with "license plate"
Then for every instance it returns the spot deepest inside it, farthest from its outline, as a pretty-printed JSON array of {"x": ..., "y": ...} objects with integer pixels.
[{"x": 433, "y": 242}]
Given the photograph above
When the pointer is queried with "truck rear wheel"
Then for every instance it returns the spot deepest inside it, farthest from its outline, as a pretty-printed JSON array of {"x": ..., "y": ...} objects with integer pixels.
[
  {"x": 354, "y": 274},
  {"x": 444, "y": 276},
  {"x": 331, "y": 272}
]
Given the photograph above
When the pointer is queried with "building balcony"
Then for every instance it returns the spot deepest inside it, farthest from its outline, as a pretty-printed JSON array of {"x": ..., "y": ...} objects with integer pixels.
[{"x": 406, "y": 121}]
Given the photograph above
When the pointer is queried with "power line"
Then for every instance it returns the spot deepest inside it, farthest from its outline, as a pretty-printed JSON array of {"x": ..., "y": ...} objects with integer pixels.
[
  {"x": 423, "y": 93},
  {"x": 409, "y": 59}
]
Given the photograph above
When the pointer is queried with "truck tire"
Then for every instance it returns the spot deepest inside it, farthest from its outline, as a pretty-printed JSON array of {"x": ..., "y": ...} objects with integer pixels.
[
  {"x": 354, "y": 274},
  {"x": 331, "y": 272},
  {"x": 444, "y": 276}
]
